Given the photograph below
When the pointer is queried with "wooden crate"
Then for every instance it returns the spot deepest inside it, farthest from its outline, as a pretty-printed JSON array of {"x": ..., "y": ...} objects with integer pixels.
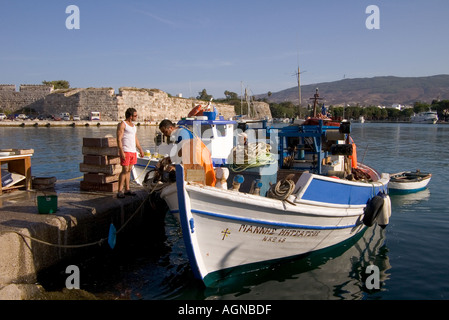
[
  {"x": 101, "y": 165},
  {"x": 100, "y": 178},
  {"x": 43, "y": 183},
  {"x": 98, "y": 151},
  {"x": 105, "y": 187},
  {"x": 101, "y": 160},
  {"x": 100, "y": 142},
  {"x": 110, "y": 169}
]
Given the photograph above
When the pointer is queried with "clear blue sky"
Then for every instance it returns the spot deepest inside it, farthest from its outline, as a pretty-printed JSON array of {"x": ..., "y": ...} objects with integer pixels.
[{"x": 185, "y": 46}]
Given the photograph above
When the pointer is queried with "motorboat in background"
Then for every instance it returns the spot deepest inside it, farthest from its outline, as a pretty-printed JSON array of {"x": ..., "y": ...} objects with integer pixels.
[{"x": 428, "y": 117}]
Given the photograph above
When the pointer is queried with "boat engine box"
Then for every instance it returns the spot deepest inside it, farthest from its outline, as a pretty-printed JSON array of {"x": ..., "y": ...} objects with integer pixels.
[{"x": 266, "y": 174}]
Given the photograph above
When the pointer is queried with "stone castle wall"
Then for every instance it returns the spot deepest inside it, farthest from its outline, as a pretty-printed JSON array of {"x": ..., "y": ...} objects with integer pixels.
[
  {"x": 151, "y": 104},
  {"x": 28, "y": 96},
  {"x": 155, "y": 105}
]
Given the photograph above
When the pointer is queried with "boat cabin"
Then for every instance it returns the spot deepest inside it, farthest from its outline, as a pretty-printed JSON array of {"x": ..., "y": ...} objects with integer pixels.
[
  {"x": 217, "y": 135},
  {"x": 317, "y": 146}
]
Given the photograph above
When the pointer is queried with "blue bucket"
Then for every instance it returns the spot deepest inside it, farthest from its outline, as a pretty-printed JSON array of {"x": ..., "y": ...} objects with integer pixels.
[{"x": 211, "y": 115}]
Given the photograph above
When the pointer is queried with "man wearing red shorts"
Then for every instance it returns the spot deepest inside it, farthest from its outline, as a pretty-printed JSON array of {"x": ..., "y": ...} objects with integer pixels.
[{"x": 127, "y": 144}]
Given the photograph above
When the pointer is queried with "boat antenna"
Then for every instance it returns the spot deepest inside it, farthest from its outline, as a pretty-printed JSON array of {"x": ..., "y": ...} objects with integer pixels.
[
  {"x": 298, "y": 78},
  {"x": 315, "y": 99},
  {"x": 364, "y": 154}
]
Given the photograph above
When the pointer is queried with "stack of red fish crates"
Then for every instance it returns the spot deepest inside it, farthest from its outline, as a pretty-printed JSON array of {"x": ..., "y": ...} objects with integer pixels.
[{"x": 101, "y": 165}]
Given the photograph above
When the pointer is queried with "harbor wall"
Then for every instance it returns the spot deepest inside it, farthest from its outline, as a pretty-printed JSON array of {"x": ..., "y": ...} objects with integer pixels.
[
  {"x": 31, "y": 243},
  {"x": 151, "y": 104}
]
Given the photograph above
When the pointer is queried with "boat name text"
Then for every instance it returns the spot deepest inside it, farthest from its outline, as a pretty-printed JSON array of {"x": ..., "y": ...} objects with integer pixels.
[
  {"x": 244, "y": 228},
  {"x": 259, "y": 230}
]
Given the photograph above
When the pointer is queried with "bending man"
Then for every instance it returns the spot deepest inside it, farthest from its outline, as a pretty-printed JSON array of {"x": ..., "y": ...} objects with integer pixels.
[{"x": 190, "y": 149}]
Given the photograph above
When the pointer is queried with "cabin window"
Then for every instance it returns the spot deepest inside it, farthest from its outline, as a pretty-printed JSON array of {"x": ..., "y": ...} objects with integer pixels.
[
  {"x": 221, "y": 130},
  {"x": 206, "y": 132}
]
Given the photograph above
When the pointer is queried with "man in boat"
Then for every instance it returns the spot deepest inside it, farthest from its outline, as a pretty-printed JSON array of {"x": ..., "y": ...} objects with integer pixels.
[
  {"x": 127, "y": 145},
  {"x": 170, "y": 130},
  {"x": 192, "y": 152}
]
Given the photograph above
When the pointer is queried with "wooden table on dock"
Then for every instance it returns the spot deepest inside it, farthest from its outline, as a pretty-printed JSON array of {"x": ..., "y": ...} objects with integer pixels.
[{"x": 21, "y": 165}]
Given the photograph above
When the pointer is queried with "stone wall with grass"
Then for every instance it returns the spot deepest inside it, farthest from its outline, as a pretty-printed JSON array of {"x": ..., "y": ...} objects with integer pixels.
[{"x": 151, "y": 104}]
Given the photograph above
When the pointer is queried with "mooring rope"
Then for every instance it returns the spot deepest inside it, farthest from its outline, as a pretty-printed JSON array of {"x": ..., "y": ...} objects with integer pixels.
[
  {"x": 251, "y": 155},
  {"x": 75, "y": 246},
  {"x": 281, "y": 190}
]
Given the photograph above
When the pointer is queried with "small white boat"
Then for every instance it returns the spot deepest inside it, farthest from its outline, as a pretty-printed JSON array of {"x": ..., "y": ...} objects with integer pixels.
[
  {"x": 428, "y": 117},
  {"x": 408, "y": 182},
  {"x": 361, "y": 119}
]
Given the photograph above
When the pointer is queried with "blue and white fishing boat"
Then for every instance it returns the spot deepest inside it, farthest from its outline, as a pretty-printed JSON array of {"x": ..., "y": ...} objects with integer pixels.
[{"x": 313, "y": 196}]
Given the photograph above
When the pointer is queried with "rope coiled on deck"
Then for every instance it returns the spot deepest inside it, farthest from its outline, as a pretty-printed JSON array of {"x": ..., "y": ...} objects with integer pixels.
[{"x": 281, "y": 190}]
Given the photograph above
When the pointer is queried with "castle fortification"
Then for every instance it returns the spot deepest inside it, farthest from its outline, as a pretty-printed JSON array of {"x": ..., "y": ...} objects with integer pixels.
[
  {"x": 151, "y": 104},
  {"x": 29, "y": 96}
]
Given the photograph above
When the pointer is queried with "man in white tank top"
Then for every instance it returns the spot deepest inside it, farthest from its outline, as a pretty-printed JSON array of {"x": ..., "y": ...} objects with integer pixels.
[{"x": 127, "y": 144}]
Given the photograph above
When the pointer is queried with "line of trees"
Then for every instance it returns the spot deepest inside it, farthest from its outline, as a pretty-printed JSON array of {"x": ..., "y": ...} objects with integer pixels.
[
  {"x": 58, "y": 84},
  {"x": 289, "y": 110}
]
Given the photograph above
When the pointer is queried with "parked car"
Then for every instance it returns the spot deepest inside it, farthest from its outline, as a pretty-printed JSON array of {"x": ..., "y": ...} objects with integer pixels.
[
  {"x": 2, "y": 116},
  {"x": 65, "y": 116},
  {"x": 94, "y": 115},
  {"x": 44, "y": 117},
  {"x": 76, "y": 118},
  {"x": 22, "y": 116}
]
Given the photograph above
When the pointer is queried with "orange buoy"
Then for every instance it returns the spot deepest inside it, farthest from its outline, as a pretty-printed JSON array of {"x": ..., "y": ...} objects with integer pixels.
[
  {"x": 195, "y": 155},
  {"x": 197, "y": 111},
  {"x": 354, "y": 155}
]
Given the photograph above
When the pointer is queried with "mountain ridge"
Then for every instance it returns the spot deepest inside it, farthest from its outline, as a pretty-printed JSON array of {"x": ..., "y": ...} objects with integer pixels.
[{"x": 381, "y": 90}]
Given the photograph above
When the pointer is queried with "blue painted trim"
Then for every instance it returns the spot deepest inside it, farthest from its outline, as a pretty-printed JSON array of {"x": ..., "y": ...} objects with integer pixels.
[
  {"x": 339, "y": 193},
  {"x": 186, "y": 122},
  {"x": 185, "y": 224},
  {"x": 219, "y": 162},
  {"x": 402, "y": 191},
  {"x": 277, "y": 224}
]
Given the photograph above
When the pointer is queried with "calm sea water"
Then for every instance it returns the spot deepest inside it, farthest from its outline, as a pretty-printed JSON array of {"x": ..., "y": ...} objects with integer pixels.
[{"x": 411, "y": 253}]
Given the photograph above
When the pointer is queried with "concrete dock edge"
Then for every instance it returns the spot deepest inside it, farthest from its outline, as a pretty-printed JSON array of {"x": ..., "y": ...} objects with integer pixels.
[{"x": 31, "y": 242}]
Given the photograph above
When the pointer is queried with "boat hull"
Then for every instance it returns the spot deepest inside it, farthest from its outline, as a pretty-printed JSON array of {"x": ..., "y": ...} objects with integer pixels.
[
  {"x": 429, "y": 117},
  {"x": 425, "y": 121},
  {"x": 224, "y": 229},
  {"x": 401, "y": 183},
  {"x": 140, "y": 169}
]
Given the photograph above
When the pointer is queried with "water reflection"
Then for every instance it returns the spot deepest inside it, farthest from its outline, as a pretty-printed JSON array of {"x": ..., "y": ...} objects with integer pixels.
[
  {"x": 336, "y": 273},
  {"x": 410, "y": 199}
]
